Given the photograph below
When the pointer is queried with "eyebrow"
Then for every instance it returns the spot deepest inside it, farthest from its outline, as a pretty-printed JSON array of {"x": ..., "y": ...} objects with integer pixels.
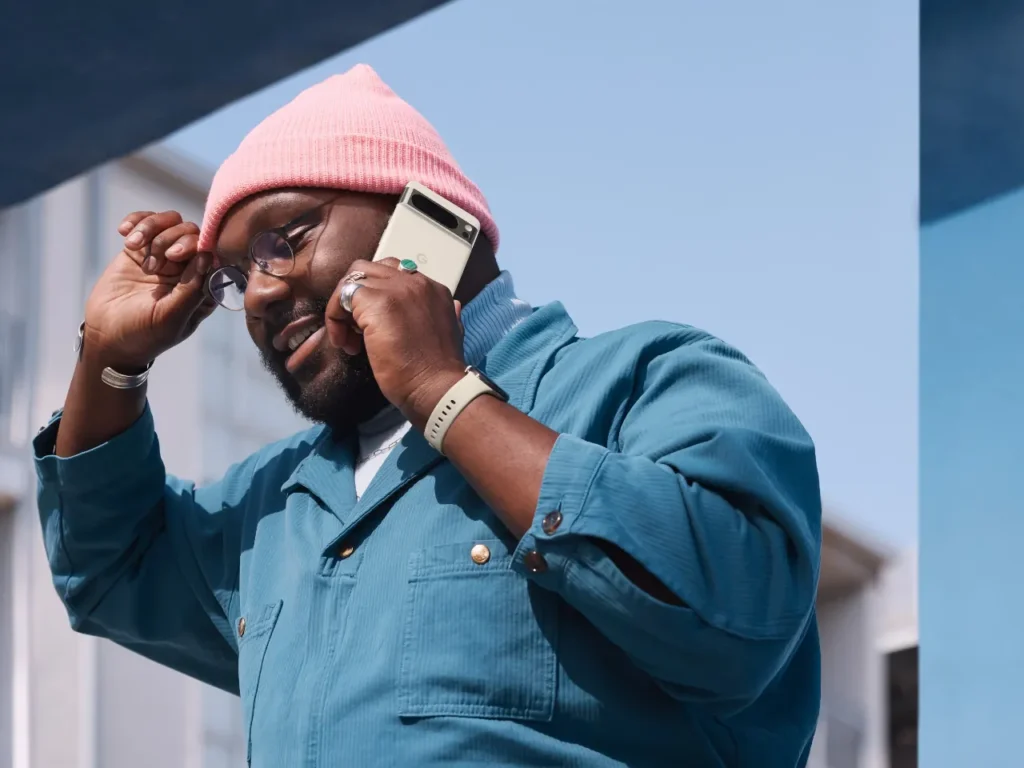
[
  {"x": 300, "y": 219},
  {"x": 263, "y": 217}
]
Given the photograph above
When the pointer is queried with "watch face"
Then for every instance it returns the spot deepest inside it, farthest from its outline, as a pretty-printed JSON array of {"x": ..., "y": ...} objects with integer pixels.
[{"x": 501, "y": 393}]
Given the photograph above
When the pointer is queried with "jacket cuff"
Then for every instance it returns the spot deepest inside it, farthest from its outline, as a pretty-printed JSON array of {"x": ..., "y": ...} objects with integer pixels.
[
  {"x": 98, "y": 466},
  {"x": 552, "y": 542}
]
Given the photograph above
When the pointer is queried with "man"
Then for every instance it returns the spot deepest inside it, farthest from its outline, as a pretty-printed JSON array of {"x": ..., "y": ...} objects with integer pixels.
[{"x": 617, "y": 566}]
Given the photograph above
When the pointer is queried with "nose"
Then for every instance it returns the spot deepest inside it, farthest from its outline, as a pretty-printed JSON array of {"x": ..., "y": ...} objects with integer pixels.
[{"x": 262, "y": 291}]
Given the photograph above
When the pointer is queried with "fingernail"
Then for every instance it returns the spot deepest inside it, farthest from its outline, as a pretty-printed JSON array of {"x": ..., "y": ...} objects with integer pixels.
[
  {"x": 135, "y": 238},
  {"x": 174, "y": 250},
  {"x": 149, "y": 265},
  {"x": 124, "y": 226}
]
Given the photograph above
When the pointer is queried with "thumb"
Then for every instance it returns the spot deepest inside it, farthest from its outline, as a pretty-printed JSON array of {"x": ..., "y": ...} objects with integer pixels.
[{"x": 186, "y": 296}]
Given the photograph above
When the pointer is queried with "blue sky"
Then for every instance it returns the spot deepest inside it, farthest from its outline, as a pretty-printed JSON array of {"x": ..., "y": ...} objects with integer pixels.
[{"x": 749, "y": 168}]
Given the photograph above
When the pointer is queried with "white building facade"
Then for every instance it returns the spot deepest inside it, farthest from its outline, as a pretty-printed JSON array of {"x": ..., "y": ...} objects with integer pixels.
[
  {"x": 853, "y": 724},
  {"x": 68, "y": 701}
]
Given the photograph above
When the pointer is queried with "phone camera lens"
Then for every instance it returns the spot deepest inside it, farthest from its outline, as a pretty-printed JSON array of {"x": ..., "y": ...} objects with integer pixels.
[{"x": 428, "y": 207}]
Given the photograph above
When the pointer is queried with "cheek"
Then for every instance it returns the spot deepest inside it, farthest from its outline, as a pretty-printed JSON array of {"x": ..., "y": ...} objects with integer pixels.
[
  {"x": 326, "y": 269},
  {"x": 322, "y": 281},
  {"x": 335, "y": 255}
]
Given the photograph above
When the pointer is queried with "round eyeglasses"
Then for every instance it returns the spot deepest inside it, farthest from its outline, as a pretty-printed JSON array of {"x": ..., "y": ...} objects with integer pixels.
[
  {"x": 271, "y": 252},
  {"x": 226, "y": 286}
]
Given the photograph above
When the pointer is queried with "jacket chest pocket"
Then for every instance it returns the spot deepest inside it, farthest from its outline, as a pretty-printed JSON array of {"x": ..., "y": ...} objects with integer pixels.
[
  {"x": 255, "y": 631},
  {"x": 479, "y": 639}
]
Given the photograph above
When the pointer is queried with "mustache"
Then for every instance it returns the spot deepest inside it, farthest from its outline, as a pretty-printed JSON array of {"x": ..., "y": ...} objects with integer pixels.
[
  {"x": 300, "y": 309},
  {"x": 282, "y": 318}
]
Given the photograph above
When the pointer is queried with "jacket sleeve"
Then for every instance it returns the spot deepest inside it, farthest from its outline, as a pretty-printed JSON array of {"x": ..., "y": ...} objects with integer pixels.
[
  {"x": 141, "y": 558},
  {"x": 710, "y": 485}
]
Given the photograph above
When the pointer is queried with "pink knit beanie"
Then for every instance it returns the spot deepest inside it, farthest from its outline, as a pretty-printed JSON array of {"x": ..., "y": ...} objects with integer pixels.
[{"x": 349, "y": 132}]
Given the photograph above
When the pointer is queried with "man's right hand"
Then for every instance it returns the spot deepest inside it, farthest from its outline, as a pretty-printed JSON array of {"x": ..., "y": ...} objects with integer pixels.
[
  {"x": 148, "y": 299},
  {"x": 151, "y": 296}
]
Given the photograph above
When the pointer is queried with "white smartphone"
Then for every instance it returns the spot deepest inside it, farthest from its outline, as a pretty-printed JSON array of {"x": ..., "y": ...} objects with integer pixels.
[{"x": 431, "y": 231}]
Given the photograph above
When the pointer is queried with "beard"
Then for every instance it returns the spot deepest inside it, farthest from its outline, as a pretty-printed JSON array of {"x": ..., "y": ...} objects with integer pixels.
[{"x": 341, "y": 392}]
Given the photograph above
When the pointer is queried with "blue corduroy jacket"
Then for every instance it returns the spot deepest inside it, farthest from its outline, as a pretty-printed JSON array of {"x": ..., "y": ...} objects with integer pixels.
[{"x": 365, "y": 633}]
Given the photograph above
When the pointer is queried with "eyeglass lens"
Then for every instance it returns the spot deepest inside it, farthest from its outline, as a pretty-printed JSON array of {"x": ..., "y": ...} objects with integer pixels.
[
  {"x": 271, "y": 253},
  {"x": 227, "y": 287}
]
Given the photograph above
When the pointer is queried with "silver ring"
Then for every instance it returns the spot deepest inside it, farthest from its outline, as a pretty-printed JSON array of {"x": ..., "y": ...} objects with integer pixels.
[
  {"x": 348, "y": 290},
  {"x": 355, "y": 277},
  {"x": 408, "y": 265}
]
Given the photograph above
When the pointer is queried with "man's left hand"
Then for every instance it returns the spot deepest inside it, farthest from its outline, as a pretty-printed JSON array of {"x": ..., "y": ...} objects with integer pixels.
[{"x": 410, "y": 328}]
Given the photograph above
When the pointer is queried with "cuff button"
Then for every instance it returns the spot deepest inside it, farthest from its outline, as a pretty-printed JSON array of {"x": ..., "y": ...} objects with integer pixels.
[
  {"x": 551, "y": 522},
  {"x": 535, "y": 562}
]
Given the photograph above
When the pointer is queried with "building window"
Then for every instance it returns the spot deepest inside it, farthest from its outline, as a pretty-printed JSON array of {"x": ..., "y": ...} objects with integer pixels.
[{"x": 903, "y": 708}]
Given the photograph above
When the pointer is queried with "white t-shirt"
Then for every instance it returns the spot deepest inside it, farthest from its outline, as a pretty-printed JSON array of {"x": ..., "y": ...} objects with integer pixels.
[{"x": 377, "y": 438}]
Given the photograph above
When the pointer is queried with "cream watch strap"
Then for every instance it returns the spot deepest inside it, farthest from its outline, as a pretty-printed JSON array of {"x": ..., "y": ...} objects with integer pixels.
[{"x": 463, "y": 392}]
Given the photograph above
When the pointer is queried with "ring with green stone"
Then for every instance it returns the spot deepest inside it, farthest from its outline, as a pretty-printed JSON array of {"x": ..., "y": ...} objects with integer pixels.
[{"x": 407, "y": 265}]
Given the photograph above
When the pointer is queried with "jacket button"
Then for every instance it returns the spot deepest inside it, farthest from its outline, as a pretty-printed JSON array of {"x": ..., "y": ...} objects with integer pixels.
[
  {"x": 535, "y": 562},
  {"x": 480, "y": 554},
  {"x": 241, "y": 626},
  {"x": 346, "y": 551},
  {"x": 551, "y": 522}
]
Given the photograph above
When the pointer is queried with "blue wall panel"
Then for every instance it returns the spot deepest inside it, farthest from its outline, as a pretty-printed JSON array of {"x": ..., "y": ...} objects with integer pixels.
[{"x": 972, "y": 472}]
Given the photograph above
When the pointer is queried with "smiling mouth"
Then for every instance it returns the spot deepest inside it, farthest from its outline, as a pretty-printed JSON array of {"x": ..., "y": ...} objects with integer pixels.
[
  {"x": 295, "y": 340},
  {"x": 290, "y": 338}
]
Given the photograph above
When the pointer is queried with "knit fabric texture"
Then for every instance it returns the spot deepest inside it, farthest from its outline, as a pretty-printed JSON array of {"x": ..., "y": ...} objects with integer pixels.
[{"x": 349, "y": 132}]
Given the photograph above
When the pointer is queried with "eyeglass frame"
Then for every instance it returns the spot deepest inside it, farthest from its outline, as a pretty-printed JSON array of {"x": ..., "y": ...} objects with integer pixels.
[{"x": 282, "y": 233}]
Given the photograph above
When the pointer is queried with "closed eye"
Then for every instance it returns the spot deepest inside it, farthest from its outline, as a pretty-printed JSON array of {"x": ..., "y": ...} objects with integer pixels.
[{"x": 298, "y": 238}]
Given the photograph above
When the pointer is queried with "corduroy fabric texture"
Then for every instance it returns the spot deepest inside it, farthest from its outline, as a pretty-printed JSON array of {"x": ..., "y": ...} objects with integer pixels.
[
  {"x": 348, "y": 132},
  {"x": 371, "y": 631}
]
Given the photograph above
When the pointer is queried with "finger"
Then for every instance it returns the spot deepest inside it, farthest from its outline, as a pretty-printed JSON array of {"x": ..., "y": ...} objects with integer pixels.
[
  {"x": 342, "y": 331},
  {"x": 458, "y": 311},
  {"x": 141, "y": 235},
  {"x": 378, "y": 298},
  {"x": 353, "y": 342},
  {"x": 128, "y": 222},
  {"x": 177, "y": 243},
  {"x": 183, "y": 249},
  {"x": 380, "y": 287},
  {"x": 148, "y": 227},
  {"x": 370, "y": 275},
  {"x": 384, "y": 269},
  {"x": 343, "y": 335},
  {"x": 393, "y": 267},
  {"x": 187, "y": 294}
]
